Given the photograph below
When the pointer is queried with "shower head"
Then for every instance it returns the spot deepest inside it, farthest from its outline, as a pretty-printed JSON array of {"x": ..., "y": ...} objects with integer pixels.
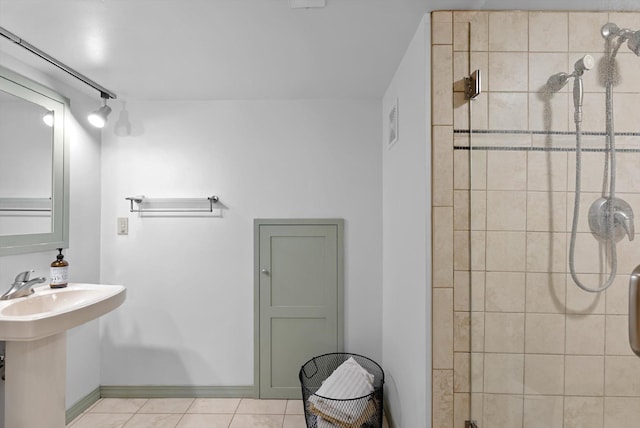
[
  {"x": 610, "y": 31},
  {"x": 633, "y": 42},
  {"x": 583, "y": 64}
]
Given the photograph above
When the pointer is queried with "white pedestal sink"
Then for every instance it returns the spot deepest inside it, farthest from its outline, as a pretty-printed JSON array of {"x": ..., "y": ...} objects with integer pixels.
[{"x": 34, "y": 328}]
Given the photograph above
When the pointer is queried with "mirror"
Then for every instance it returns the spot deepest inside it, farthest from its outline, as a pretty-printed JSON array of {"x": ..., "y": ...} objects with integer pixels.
[
  {"x": 33, "y": 166},
  {"x": 25, "y": 167}
]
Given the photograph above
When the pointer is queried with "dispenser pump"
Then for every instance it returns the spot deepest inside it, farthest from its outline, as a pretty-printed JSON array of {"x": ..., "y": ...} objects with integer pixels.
[{"x": 59, "y": 271}]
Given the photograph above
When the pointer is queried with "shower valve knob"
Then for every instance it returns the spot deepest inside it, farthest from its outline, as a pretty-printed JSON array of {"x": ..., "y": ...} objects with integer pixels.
[{"x": 600, "y": 220}]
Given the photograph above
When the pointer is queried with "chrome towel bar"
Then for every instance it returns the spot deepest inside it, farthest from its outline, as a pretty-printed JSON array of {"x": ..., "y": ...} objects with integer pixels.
[{"x": 172, "y": 205}]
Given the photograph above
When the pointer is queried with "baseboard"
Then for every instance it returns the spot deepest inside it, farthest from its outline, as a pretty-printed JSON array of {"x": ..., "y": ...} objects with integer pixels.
[
  {"x": 81, "y": 405},
  {"x": 175, "y": 391}
]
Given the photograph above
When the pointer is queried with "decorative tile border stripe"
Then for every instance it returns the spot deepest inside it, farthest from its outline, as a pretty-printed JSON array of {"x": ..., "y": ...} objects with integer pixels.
[
  {"x": 533, "y": 132},
  {"x": 540, "y": 149}
]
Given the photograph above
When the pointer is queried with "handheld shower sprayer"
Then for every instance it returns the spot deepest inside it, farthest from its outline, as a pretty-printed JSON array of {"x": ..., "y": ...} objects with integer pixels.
[
  {"x": 559, "y": 80},
  {"x": 583, "y": 64}
]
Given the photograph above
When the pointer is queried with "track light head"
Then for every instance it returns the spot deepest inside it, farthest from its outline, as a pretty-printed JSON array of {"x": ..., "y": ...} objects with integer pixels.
[
  {"x": 98, "y": 118},
  {"x": 48, "y": 118}
]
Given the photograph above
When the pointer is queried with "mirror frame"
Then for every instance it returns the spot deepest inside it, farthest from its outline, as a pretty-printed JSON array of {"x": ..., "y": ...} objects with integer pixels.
[{"x": 22, "y": 87}]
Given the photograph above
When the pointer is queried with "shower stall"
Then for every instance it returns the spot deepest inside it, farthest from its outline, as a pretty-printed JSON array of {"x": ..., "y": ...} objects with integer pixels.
[{"x": 535, "y": 184}]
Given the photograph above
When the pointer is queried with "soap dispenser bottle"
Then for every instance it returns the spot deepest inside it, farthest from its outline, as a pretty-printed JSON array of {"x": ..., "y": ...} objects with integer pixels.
[{"x": 59, "y": 271}]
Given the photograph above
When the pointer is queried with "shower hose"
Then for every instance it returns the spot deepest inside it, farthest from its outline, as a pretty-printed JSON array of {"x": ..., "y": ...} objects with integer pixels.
[{"x": 610, "y": 159}]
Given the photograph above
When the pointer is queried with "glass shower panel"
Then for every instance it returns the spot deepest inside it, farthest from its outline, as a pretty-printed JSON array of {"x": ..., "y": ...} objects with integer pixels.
[{"x": 542, "y": 351}]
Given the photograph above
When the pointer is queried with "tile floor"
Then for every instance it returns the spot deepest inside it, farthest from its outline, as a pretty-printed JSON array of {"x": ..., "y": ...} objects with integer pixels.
[{"x": 192, "y": 413}]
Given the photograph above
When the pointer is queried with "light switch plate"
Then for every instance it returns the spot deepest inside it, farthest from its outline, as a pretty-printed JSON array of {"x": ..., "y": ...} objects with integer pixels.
[{"x": 123, "y": 226}]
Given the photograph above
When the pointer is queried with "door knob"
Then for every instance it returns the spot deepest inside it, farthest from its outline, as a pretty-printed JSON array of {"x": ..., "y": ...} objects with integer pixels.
[{"x": 264, "y": 271}]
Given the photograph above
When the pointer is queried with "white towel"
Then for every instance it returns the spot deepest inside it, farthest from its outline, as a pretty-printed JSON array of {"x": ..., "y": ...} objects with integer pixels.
[
  {"x": 348, "y": 382},
  {"x": 323, "y": 423}
]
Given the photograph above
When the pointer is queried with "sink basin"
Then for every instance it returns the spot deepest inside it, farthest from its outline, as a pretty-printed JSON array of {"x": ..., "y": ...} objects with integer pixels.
[
  {"x": 50, "y": 311},
  {"x": 50, "y": 302}
]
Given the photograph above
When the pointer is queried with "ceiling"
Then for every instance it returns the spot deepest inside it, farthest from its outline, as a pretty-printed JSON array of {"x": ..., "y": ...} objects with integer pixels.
[
  {"x": 234, "y": 49},
  {"x": 218, "y": 49}
]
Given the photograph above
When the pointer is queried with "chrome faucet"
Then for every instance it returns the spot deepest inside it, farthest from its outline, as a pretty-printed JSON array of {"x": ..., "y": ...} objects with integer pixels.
[{"x": 22, "y": 286}]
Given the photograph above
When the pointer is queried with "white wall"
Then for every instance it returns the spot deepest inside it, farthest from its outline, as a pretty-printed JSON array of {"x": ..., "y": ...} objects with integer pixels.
[
  {"x": 188, "y": 318},
  {"x": 83, "y": 350},
  {"x": 406, "y": 331},
  {"x": 83, "y": 255}
]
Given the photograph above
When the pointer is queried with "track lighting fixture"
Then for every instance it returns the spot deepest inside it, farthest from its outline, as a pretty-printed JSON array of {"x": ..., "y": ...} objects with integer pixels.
[{"x": 98, "y": 118}]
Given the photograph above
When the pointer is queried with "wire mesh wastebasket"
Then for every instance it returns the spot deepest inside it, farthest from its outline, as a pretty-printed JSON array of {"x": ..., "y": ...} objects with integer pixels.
[{"x": 359, "y": 411}]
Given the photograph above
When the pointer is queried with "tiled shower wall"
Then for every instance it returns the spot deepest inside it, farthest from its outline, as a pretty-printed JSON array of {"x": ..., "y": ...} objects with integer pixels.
[{"x": 515, "y": 342}]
